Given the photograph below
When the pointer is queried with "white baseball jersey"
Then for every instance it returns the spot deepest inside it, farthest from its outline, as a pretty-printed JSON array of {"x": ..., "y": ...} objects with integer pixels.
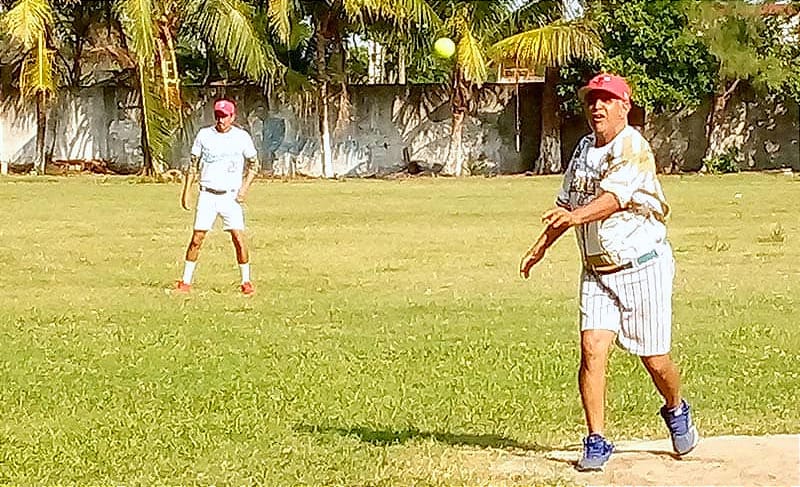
[
  {"x": 625, "y": 167},
  {"x": 626, "y": 286},
  {"x": 222, "y": 156}
]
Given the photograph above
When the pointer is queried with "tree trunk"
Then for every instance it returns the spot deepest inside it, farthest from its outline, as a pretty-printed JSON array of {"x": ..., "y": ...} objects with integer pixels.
[
  {"x": 76, "y": 62},
  {"x": 715, "y": 128},
  {"x": 401, "y": 65},
  {"x": 455, "y": 152},
  {"x": 41, "y": 131},
  {"x": 323, "y": 105},
  {"x": 454, "y": 165},
  {"x": 549, "y": 160},
  {"x": 345, "y": 108},
  {"x": 376, "y": 63},
  {"x": 147, "y": 166},
  {"x": 325, "y": 132}
]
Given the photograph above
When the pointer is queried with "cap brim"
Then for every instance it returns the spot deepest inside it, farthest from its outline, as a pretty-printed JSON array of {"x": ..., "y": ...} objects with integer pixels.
[
  {"x": 584, "y": 92},
  {"x": 221, "y": 114}
]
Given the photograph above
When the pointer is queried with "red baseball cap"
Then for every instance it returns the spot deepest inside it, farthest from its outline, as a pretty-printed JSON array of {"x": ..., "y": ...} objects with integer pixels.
[
  {"x": 610, "y": 83},
  {"x": 225, "y": 107}
]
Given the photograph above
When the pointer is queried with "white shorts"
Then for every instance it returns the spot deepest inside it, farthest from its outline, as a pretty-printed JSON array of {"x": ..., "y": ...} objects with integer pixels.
[
  {"x": 225, "y": 205},
  {"x": 636, "y": 304}
]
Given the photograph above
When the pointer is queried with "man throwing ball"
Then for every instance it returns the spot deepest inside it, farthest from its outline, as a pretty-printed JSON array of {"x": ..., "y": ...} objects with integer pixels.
[
  {"x": 220, "y": 154},
  {"x": 613, "y": 199}
]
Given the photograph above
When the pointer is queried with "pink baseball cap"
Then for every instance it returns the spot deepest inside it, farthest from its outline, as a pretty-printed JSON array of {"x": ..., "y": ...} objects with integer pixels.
[
  {"x": 225, "y": 107},
  {"x": 610, "y": 83}
]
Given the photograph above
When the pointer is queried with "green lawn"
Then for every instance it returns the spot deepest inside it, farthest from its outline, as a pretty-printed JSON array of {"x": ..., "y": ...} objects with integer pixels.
[{"x": 390, "y": 330}]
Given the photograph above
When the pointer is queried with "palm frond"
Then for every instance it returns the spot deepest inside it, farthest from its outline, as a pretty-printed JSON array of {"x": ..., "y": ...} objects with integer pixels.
[
  {"x": 160, "y": 123},
  {"x": 279, "y": 14},
  {"x": 469, "y": 53},
  {"x": 227, "y": 25},
  {"x": 36, "y": 75},
  {"x": 535, "y": 14},
  {"x": 27, "y": 21},
  {"x": 418, "y": 12},
  {"x": 136, "y": 17},
  {"x": 553, "y": 45},
  {"x": 486, "y": 18},
  {"x": 395, "y": 12}
]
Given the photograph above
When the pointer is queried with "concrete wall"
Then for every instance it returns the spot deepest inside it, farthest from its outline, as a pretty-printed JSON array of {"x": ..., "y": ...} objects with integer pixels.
[{"x": 101, "y": 123}]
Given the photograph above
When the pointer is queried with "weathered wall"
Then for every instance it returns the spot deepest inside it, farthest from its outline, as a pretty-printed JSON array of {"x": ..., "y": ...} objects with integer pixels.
[
  {"x": 101, "y": 123},
  {"x": 765, "y": 132}
]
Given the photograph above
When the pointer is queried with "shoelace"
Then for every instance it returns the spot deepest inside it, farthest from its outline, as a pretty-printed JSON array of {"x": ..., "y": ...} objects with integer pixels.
[
  {"x": 596, "y": 447},
  {"x": 678, "y": 424}
]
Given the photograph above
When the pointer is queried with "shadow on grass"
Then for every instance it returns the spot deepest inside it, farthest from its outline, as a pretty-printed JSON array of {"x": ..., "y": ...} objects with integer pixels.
[{"x": 393, "y": 437}]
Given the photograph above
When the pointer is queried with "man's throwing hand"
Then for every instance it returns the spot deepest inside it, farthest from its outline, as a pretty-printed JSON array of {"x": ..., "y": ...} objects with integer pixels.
[
  {"x": 559, "y": 217},
  {"x": 531, "y": 257},
  {"x": 241, "y": 196}
]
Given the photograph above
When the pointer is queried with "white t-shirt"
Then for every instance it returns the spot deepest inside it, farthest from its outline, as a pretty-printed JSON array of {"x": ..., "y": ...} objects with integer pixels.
[
  {"x": 222, "y": 156},
  {"x": 625, "y": 167}
]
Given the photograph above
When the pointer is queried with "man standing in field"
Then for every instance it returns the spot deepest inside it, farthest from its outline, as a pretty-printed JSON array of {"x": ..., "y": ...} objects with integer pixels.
[
  {"x": 220, "y": 154},
  {"x": 613, "y": 199}
]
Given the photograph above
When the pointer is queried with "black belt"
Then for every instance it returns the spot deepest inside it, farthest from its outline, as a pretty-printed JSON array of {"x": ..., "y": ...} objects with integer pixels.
[
  {"x": 215, "y": 191},
  {"x": 629, "y": 265}
]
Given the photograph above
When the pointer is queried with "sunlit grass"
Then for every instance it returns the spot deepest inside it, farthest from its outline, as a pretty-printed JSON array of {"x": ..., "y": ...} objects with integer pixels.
[{"x": 389, "y": 330}]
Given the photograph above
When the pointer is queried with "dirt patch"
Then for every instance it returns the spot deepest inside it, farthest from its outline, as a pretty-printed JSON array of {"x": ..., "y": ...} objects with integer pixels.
[{"x": 723, "y": 460}]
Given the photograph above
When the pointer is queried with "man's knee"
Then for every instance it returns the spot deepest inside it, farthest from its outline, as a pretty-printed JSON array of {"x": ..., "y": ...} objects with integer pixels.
[
  {"x": 237, "y": 237},
  {"x": 595, "y": 345}
]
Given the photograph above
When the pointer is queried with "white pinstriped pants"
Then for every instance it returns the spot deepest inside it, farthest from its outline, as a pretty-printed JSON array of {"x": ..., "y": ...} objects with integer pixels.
[{"x": 634, "y": 303}]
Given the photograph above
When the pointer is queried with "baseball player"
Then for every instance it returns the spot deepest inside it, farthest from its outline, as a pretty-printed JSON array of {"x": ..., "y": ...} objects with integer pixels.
[
  {"x": 220, "y": 154},
  {"x": 612, "y": 197}
]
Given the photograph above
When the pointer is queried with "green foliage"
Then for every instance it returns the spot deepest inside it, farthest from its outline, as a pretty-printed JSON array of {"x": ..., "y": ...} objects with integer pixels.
[
  {"x": 784, "y": 45},
  {"x": 724, "y": 163},
  {"x": 473, "y": 26},
  {"x": 647, "y": 42},
  {"x": 427, "y": 68},
  {"x": 739, "y": 38}
]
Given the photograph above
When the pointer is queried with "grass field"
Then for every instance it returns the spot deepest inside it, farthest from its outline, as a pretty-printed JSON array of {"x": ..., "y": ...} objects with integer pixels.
[{"x": 390, "y": 331}]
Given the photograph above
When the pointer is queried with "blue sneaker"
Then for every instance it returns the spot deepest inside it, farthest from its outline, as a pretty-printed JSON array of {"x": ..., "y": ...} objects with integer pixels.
[
  {"x": 681, "y": 428},
  {"x": 596, "y": 452}
]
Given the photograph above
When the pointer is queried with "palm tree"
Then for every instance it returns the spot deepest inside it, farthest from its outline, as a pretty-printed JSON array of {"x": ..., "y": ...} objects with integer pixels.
[
  {"x": 332, "y": 22},
  {"x": 30, "y": 23},
  {"x": 548, "y": 47},
  {"x": 151, "y": 28},
  {"x": 472, "y": 25}
]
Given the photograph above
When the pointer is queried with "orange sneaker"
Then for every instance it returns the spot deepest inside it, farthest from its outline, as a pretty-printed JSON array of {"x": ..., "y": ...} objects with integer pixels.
[
  {"x": 182, "y": 287},
  {"x": 247, "y": 289}
]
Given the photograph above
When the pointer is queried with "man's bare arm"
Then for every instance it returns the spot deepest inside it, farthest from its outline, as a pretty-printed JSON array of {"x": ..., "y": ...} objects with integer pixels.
[
  {"x": 253, "y": 167},
  {"x": 188, "y": 179},
  {"x": 538, "y": 249}
]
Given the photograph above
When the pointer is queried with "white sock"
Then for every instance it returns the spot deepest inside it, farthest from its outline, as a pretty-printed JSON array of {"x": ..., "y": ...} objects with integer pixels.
[
  {"x": 245, "y": 268},
  {"x": 188, "y": 270}
]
